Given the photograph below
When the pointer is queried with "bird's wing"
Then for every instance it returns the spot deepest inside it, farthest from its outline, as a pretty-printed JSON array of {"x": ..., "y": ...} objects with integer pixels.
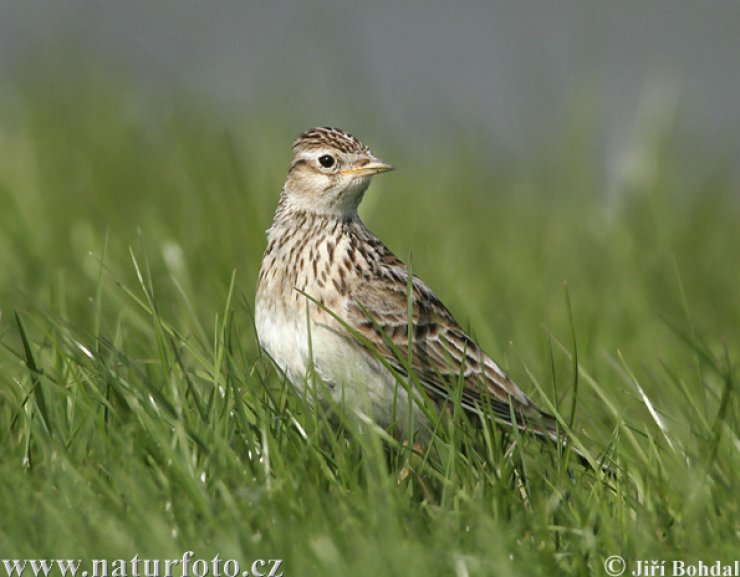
[{"x": 442, "y": 354}]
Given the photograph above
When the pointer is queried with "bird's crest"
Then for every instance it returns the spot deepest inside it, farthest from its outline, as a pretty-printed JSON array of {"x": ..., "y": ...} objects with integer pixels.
[{"x": 326, "y": 137}]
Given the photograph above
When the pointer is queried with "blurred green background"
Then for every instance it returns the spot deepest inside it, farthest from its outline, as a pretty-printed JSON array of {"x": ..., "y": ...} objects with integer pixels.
[{"x": 137, "y": 415}]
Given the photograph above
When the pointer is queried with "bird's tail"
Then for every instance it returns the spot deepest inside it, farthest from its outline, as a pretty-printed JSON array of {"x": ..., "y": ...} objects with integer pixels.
[{"x": 550, "y": 429}]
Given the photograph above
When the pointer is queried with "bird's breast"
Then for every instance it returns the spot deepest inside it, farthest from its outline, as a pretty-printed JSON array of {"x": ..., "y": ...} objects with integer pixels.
[
  {"x": 307, "y": 274},
  {"x": 318, "y": 265},
  {"x": 305, "y": 289}
]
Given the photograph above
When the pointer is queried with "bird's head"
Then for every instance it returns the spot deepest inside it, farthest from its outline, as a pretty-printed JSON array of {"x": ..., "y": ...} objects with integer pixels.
[{"x": 330, "y": 172}]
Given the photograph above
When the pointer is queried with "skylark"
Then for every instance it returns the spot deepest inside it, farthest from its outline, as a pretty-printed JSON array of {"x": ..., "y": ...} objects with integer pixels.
[{"x": 333, "y": 299}]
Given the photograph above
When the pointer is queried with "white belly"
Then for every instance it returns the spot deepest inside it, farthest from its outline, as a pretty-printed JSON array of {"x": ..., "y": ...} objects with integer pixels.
[{"x": 348, "y": 375}]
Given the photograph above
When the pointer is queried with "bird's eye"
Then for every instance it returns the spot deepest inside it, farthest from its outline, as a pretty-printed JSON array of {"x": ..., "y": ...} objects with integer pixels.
[{"x": 327, "y": 160}]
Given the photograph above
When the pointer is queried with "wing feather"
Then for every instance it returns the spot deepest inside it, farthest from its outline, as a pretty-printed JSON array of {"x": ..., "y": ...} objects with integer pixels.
[{"x": 442, "y": 353}]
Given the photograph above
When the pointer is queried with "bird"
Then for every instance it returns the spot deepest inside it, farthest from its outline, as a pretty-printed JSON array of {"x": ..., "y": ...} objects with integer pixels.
[{"x": 334, "y": 301}]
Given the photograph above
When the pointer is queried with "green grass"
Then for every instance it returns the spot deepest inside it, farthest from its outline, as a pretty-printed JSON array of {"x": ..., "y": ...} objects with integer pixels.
[{"x": 137, "y": 414}]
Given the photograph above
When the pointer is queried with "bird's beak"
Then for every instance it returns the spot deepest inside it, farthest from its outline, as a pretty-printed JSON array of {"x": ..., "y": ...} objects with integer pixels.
[{"x": 368, "y": 167}]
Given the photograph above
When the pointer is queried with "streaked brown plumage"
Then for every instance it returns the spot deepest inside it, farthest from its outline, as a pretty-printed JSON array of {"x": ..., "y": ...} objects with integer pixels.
[{"x": 319, "y": 248}]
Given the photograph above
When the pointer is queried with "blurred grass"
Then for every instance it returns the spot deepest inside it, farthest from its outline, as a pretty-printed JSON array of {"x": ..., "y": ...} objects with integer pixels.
[{"x": 139, "y": 417}]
